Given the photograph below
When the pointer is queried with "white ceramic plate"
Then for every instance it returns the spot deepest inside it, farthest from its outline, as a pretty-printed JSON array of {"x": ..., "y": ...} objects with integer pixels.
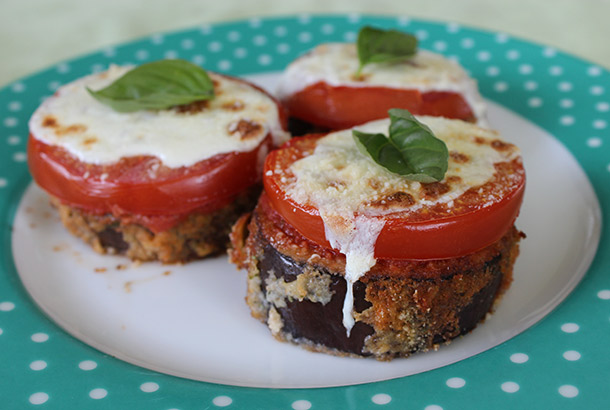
[{"x": 192, "y": 321}]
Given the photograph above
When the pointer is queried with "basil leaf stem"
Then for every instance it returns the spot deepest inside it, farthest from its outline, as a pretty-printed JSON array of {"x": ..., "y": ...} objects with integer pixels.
[
  {"x": 410, "y": 150},
  {"x": 383, "y": 46},
  {"x": 156, "y": 86}
]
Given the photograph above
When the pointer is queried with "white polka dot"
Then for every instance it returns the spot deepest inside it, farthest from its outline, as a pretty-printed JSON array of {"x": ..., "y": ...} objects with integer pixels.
[
  {"x": 327, "y": 29},
  {"x": 255, "y": 22},
  {"x": 600, "y": 124},
  {"x": 3, "y": 183},
  {"x": 98, "y": 393},
  {"x": 264, "y": 59},
  {"x": 453, "y": 27},
  {"x": 87, "y": 365},
  {"x": 10, "y": 122},
  {"x": 350, "y": 36},
  {"x": 565, "y": 86},
  {"x": 502, "y": 38},
  {"x": 233, "y": 36},
  {"x": 531, "y": 85},
  {"x": 149, "y": 387},
  {"x": 157, "y": 39},
  {"x": 280, "y": 31},
  {"x": 63, "y": 68},
  {"x": 353, "y": 18},
  {"x": 14, "y": 106},
  {"x": 259, "y": 40},
  {"x": 224, "y": 65},
  {"x": 549, "y": 52},
  {"x": 109, "y": 52},
  {"x": 13, "y": 140},
  {"x": 40, "y": 337},
  {"x": 20, "y": 157},
  {"x": 534, "y": 102},
  {"x": 555, "y": 70},
  {"x": 222, "y": 401},
  {"x": 467, "y": 43},
  {"x": 97, "y": 68},
  {"x": 570, "y": 327},
  {"x": 381, "y": 398},
  {"x": 205, "y": 29},
  {"x": 18, "y": 88},
  {"x": 594, "y": 71},
  {"x": 566, "y": 103},
  {"x": 304, "y": 19},
  {"x": 602, "y": 106},
  {"x": 215, "y": 46},
  {"x": 1, "y": 331},
  {"x": 404, "y": 20},
  {"x": 305, "y": 37},
  {"x": 519, "y": 358},
  {"x": 39, "y": 398},
  {"x": 456, "y": 382},
  {"x": 513, "y": 54},
  {"x": 6, "y": 306},
  {"x": 594, "y": 142},
  {"x": 283, "y": 48},
  {"x": 492, "y": 71},
  {"x": 500, "y": 86},
  {"x": 170, "y": 55},
  {"x": 567, "y": 120},
  {"x": 240, "y": 52},
  {"x": 526, "y": 69},
  {"x": 571, "y": 355},
  {"x": 187, "y": 44},
  {"x": 568, "y": 391},
  {"x": 510, "y": 387},
  {"x": 596, "y": 90},
  {"x": 142, "y": 54},
  {"x": 433, "y": 407},
  {"x": 483, "y": 55},
  {"x": 440, "y": 46},
  {"x": 198, "y": 59},
  {"x": 421, "y": 34},
  {"x": 301, "y": 405},
  {"x": 604, "y": 294},
  {"x": 38, "y": 365}
]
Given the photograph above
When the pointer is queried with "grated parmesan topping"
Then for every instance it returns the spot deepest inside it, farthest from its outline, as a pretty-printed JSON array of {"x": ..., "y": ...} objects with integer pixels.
[
  {"x": 237, "y": 119},
  {"x": 336, "y": 64}
]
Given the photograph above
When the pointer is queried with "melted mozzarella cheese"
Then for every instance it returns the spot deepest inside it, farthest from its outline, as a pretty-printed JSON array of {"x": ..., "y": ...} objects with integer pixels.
[
  {"x": 96, "y": 134},
  {"x": 344, "y": 185},
  {"x": 336, "y": 64}
]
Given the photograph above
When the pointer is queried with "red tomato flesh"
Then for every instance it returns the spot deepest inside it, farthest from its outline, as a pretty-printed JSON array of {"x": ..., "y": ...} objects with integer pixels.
[
  {"x": 141, "y": 188},
  {"x": 344, "y": 107},
  {"x": 467, "y": 227}
]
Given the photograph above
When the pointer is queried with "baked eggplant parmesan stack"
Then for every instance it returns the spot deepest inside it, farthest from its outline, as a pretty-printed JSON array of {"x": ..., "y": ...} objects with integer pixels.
[
  {"x": 369, "y": 245},
  {"x": 340, "y": 85},
  {"x": 154, "y": 162}
]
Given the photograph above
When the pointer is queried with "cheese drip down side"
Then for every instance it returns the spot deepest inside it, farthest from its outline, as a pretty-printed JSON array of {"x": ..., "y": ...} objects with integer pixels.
[
  {"x": 236, "y": 120},
  {"x": 336, "y": 63},
  {"x": 353, "y": 194}
]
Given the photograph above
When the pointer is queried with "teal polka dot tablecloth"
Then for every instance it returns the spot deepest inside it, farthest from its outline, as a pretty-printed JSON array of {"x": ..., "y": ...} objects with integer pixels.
[{"x": 562, "y": 362}]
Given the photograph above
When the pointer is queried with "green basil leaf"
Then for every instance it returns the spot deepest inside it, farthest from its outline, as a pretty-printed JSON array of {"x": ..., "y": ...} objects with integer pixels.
[
  {"x": 411, "y": 150},
  {"x": 384, "y": 46},
  {"x": 157, "y": 86}
]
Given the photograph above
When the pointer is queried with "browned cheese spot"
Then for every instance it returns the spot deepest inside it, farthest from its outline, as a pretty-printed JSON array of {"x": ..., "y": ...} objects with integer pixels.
[
  {"x": 49, "y": 121},
  {"x": 245, "y": 128},
  {"x": 459, "y": 157},
  {"x": 89, "y": 141},
  {"x": 500, "y": 145},
  {"x": 433, "y": 190},
  {"x": 100, "y": 270},
  {"x": 479, "y": 140},
  {"x": 235, "y": 105},
  {"x": 192, "y": 108},
  {"x": 396, "y": 200}
]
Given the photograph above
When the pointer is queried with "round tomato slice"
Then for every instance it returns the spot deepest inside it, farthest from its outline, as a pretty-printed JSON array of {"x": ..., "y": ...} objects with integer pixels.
[
  {"x": 470, "y": 226},
  {"x": 142, "y": 186},
  {"x": 344, "y": 107}
]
